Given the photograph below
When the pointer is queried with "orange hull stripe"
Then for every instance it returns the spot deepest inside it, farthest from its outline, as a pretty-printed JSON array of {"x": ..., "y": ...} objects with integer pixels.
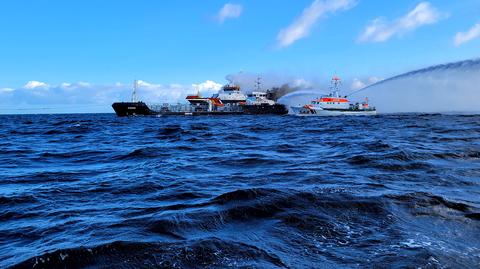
[{"x": 338, "y": 100}]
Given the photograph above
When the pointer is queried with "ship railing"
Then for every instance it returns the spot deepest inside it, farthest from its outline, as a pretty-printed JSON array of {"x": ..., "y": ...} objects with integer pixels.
[
  {"x": 171, "y": 107},
  {"x": 166, "y": 107}
]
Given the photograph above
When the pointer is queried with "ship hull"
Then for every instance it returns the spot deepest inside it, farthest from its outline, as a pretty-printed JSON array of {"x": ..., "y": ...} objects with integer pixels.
[
  {"x": 124, "y": 109},
  {"x": 304, "y": 112},
  {"x": 264, "y": 109}
]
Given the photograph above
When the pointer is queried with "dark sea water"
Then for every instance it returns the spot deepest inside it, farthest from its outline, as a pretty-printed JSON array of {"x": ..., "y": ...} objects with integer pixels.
[{"x": 97, "y": 191}]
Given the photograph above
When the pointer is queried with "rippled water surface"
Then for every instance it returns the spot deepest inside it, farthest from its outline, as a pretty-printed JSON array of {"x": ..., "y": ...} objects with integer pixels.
[{"x": 239, "y": 191}]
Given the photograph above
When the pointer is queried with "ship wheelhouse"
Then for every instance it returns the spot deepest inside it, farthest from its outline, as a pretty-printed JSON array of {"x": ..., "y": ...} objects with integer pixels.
[
  {"x": 258, "y": 98},
  {"x": 231, "y": 95}
]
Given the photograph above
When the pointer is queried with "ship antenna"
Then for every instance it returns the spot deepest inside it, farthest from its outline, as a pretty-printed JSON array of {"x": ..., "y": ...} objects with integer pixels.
[{"x": 134, "y": 92}]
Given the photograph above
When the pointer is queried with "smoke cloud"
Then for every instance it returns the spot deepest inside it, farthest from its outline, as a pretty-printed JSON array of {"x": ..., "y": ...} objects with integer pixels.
[{"x": 276, "y": 84}]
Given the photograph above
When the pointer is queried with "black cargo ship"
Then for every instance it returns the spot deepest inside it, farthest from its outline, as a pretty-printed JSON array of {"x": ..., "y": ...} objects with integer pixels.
[{"x": 229, "y": 101}]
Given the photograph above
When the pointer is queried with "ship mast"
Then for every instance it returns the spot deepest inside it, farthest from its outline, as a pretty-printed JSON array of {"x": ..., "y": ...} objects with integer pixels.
[
  {"x": 336, "y": 82},
  {"x": 198, "y": 90},
  {"x": 258, "y": 84},
  {"x": 134, "y": 91}
]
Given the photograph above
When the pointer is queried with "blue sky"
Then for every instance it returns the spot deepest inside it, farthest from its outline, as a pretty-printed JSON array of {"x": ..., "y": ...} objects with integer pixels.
[{"x": 96, "y": 48}]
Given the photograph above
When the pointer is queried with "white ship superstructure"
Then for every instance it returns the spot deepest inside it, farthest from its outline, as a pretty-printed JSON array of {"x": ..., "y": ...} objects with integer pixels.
[
  {"x": 231, "y": 94},
  {"x": 259, "y": 98}
]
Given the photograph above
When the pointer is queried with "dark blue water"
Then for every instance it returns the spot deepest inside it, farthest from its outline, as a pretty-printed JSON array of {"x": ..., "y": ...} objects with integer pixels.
[{"x": 94, "y": 191}]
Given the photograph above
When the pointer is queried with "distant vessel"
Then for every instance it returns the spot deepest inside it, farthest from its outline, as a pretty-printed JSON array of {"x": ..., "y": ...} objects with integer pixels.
[
  {"x": 334, "y": 105},
  {"x": 230, "y": 100},
  {"x": 258, "y": 102}
]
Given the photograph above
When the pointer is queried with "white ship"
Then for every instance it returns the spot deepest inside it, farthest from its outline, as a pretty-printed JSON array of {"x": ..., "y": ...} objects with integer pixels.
[{"x": 334, "y": 105}]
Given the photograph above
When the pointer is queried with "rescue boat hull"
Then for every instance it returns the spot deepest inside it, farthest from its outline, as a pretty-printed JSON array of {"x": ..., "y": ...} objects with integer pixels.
[{"x": 305, "y": 112}]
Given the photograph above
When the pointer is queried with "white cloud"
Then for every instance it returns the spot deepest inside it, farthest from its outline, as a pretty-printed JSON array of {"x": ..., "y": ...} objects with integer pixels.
[
  {"x": 87, "y": 93},
  {"x": 301, "y": 83},
  {"x": 36, "y": 84},
  {"x": 301, "y": 27},
  {"x": 358, "y": 84},
  {"x": 71, "y": 86},
  {"x": 464, "y": 37},
  {"x": 373, "y": 80},
  {"x": 65, "y": 85},
  {"x": 151, "y": 92},
  {"x": 229, "y": 11},
  {"x": 148, "y": 86},
  {"x": 381, "y": 30},
  {"x": 208, "y": 85},
  {"x": 5, "y": 90},
  {"x": 84, "y": 84},
  {"x": 83, "y": 96}
]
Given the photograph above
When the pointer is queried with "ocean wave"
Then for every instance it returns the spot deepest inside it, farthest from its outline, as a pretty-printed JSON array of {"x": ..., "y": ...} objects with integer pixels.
[
  {"x": 10, "y": 201},
  {"x": 257, "y": 192},
  {"x": 143, "y": 153},
  {"x": 211, "y": 252}
]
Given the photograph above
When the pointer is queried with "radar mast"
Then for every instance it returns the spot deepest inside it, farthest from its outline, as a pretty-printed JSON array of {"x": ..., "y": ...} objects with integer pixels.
[
  {"x": 258, "y": 84},
  {"x": 336, "y": 83}
]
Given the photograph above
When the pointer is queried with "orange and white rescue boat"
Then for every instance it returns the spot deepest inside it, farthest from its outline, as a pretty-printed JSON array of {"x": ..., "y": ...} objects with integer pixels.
[{"x": 334, "y": 105}]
